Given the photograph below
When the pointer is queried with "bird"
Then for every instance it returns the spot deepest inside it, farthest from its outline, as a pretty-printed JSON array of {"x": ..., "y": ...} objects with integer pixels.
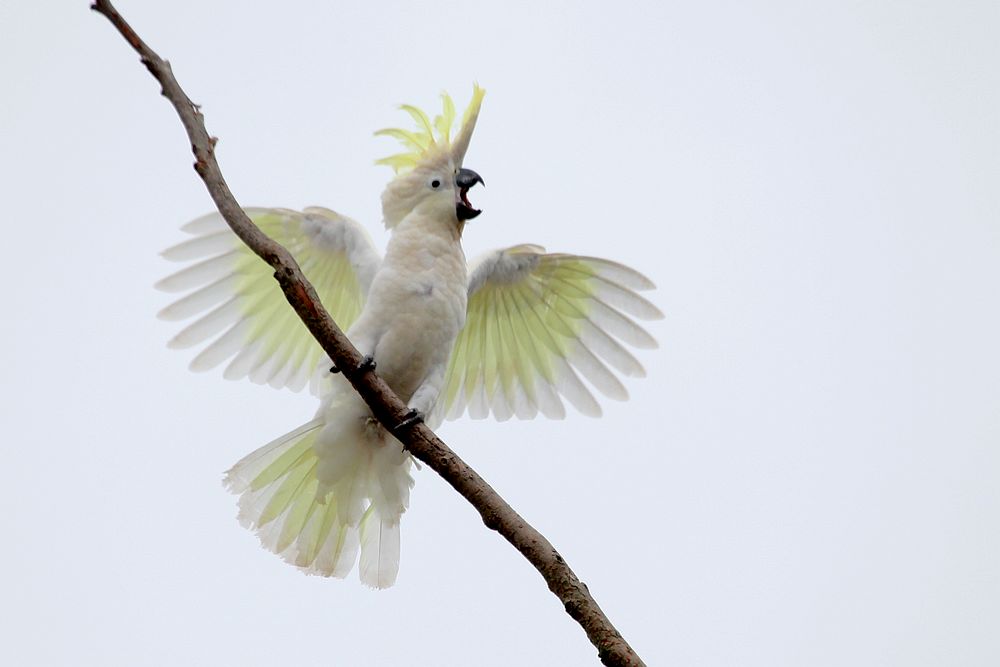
[{"x": 518, "y": 333}]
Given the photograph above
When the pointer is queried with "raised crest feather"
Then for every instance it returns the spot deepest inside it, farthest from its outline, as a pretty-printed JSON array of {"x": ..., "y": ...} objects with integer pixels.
[{"x": 431, "y": 140}]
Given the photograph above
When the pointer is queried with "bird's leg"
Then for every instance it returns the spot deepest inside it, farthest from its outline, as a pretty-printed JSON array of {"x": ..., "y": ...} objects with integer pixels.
[
  {"x": 426, "y": 395},
  {"x": 423, "y": 400}
]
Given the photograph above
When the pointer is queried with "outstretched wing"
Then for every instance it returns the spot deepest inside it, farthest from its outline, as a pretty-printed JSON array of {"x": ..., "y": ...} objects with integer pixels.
[
  {"x": 536, "y": 324},
  {"x": 236, "y": 300}
]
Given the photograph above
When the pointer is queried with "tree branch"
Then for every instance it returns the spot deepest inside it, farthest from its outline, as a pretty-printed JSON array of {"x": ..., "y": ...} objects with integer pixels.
[{"x": 419, "y": 440}]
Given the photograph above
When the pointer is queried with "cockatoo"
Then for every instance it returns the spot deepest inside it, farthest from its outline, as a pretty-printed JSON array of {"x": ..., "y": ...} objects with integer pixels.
[{"x": 511, "y": 337}]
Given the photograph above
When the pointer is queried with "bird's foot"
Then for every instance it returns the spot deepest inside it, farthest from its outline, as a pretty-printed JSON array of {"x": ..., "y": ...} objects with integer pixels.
[
  {"x": 412, "y": 417},
  {"x": 367, "y": 364}
]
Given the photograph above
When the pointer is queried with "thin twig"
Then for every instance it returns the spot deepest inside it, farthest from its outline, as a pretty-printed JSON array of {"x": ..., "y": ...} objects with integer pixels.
[{"x": 419, "y": 440}]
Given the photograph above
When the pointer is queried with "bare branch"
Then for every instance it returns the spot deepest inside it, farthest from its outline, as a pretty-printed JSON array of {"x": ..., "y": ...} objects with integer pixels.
[{"x": 419, "y": 440}]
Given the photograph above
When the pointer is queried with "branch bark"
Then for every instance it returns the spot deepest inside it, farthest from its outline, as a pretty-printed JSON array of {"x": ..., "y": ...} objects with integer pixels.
[{"x": 419, "y": 440}]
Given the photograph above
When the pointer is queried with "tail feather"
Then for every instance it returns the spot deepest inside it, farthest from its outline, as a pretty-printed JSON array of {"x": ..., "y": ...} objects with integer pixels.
[
  {"x": 390, "y": 490},
  {"x": 251, "y": 466},
  {"x": 332, "y": 487},
  {"x": 379, "y": 550},
  {"x": 325, "y": 546}
]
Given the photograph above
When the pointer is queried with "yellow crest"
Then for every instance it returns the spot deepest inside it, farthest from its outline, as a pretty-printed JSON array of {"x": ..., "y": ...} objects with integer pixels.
[{"x": 432, "y": 139}]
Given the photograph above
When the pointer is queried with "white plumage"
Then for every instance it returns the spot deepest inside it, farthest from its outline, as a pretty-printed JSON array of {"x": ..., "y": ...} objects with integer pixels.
[{"x": 521, "y": 334}]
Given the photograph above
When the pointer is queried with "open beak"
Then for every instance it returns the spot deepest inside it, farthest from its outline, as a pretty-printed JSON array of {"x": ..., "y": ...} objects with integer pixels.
[{"x": 465, "y": 179}]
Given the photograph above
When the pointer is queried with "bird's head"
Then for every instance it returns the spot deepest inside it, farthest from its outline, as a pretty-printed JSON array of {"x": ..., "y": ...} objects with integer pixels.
[{"x": 429, "y": 173}]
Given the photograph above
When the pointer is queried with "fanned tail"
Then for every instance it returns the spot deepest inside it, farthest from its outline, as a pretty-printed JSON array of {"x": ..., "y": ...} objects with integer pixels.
[{"x": 318, "y": 494}]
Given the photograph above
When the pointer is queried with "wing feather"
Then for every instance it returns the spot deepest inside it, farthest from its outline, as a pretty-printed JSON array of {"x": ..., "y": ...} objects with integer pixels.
[
  {"x": 199, "y": 274},
  {"x": 626, "y": 300},
  {"x": 239, "y": 308},
  {"x": 200, "y": 300},
  {"x": 206, "y": 327},
  {"x": 619, "y": 273},
  {"x": 522, "y": 383},
  {"x": 620, "y": 326},
  {"x": 541, "y": 328},
  {"x": 200, "y": 247},
  {"x": 565, "y": 380},
  {"x": 223, "y": 347}
]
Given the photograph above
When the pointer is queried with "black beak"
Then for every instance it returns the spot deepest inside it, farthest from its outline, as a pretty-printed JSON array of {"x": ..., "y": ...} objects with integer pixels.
[{"x": 465, "y": 179}]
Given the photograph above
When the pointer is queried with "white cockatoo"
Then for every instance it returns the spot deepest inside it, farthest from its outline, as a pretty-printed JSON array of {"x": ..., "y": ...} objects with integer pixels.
[{"x": 513, "y": 336}]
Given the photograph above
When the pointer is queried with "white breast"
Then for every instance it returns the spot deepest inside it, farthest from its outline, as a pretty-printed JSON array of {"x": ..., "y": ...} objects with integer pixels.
[{"x": 416, "y": 305}]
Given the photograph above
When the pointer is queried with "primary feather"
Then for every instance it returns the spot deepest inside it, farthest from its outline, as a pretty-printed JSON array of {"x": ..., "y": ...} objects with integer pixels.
[
  {"x": 517, "y": 336},
  {"x": 238, "y": 304},
  {"x": 538, "y": 324}
]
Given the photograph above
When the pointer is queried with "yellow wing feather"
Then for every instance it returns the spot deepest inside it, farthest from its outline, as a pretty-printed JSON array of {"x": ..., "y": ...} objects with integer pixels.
[
  {"x": 538, "y": 325},
  {"x": 255, "y": 330}
]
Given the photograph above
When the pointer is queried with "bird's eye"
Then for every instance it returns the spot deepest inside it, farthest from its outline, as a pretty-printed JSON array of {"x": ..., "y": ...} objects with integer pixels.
[{"x": 435, "y": 184}]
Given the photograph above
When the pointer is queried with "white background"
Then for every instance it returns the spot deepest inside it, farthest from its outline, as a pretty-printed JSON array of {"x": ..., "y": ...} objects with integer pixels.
[{"x": 808, "y": 476}]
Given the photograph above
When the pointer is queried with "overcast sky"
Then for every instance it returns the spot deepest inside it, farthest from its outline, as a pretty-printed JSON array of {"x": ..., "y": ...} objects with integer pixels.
[{"x": 809, "y": 475}]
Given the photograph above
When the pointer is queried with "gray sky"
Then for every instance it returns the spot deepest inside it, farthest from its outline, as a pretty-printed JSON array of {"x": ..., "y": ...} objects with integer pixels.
[{"x": 808, "y": 476}]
